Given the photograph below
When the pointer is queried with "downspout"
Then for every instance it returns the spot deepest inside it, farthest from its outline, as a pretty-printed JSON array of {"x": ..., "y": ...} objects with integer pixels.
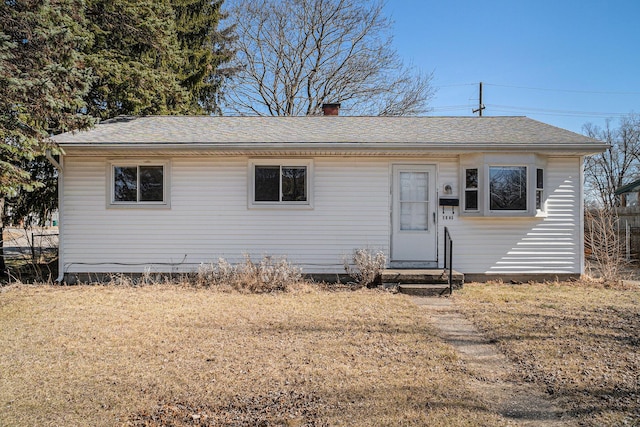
[
  {"x": 53, "y": 161},
  {"x": 581, "y": 254},
  {"x": 59, "y": 167}
]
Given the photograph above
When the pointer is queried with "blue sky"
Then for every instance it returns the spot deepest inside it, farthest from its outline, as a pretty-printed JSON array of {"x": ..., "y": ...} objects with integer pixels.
[{"x": 563, "y": 62}]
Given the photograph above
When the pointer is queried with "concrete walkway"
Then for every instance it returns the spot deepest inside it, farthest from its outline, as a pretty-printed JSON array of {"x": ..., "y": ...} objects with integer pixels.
[{"x": 493, "y": 373}]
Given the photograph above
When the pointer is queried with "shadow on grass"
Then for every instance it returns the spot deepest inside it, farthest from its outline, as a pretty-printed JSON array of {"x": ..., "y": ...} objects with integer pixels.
[{"x": 584, "y": 354}]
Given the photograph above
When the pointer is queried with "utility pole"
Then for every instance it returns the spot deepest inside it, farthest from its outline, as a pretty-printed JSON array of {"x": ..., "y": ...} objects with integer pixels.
[{"x": 480, "y": 104}]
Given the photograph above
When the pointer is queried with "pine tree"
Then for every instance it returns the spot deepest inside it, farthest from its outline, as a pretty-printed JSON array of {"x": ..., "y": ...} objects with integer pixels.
[
  {"x": 42, "y": 82},
  {"x": 206, "y": 50},
  {"x": 135, "y": 57}
]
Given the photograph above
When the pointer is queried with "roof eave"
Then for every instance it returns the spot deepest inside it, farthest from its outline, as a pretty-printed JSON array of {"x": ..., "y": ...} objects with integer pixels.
[{"x": 585, "y": 149}]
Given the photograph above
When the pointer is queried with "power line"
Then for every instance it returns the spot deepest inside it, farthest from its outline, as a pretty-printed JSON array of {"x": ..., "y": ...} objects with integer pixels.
[
  {"x": 458, "y": 85},
  {"x": 553, "y": 111},
  {"x": 497, "y": 108},
  {"x": 565, "y": 90}
]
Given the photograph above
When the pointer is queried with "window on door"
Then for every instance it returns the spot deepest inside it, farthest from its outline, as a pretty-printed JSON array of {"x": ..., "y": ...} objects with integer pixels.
[{"x": 414, "y": 201}]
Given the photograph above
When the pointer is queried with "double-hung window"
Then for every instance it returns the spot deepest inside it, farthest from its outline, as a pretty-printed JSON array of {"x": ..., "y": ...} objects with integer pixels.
[
  {"x": 280, "y": 183},
  {"x": 539, "y": 189},
  {"x": 139, "y": 184},
  {"x": 471, "y": 190}
]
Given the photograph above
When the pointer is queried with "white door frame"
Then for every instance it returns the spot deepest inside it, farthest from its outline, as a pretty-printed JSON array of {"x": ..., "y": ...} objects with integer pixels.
[{"x": 417, "y": 245}]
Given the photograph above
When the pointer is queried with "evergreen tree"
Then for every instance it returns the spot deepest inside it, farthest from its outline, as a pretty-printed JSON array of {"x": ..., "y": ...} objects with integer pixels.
[
  {"x": 42, "y": 82},
  {"x": 135, "y": 56},
  {"x": 206, "y": 50}
]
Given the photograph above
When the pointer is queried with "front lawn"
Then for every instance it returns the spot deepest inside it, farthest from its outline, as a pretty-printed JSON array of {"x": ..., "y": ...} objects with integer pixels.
[
  {"x": 581, "y": 343},
  {"x": 170, "y": 355}
]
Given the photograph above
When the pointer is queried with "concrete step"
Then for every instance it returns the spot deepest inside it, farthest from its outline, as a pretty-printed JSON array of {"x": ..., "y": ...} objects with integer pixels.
[
  {"x": 424, "y": 290},
  {"x": 421, "y": 276}
]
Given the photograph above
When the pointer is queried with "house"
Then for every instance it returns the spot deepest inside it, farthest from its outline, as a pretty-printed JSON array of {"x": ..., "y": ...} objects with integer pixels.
[
  {"x": 167, "y": 193},
  {"x": 628, "y": 194}
]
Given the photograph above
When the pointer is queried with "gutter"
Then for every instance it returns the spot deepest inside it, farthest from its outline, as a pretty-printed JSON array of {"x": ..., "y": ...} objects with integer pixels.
[
  {"x": 53, "y": 161},
  {"x": 342, "y": 147}
]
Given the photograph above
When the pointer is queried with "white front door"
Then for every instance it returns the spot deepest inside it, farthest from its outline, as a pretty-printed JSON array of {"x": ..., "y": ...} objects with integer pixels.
[{"x": 413, "y": 214}]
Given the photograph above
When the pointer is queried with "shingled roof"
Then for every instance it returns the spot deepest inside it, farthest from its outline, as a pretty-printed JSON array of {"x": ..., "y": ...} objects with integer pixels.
[{"x": 456, "y": 132}]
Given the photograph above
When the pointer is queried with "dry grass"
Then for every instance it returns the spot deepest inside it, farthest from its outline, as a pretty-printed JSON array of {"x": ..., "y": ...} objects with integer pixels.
[
  {"x": 169, "y": 355},
  {"x": 580, "y": 342}
]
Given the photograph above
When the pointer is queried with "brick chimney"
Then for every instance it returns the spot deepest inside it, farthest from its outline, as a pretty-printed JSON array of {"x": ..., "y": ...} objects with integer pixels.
[{"x": 331, "y": 109}]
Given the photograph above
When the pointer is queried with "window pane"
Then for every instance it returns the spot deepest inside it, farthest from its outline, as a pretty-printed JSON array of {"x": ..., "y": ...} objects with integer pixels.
[
  {"x": 471, "y": 200},
  {"x": 267, "y": 183},
  {"x": 539, "y": 179},
  {"x": 125, "y": 183},
  {"x": 413, "y": 186},
  {"x": 151, "y": 183},
  {"x": 471, "y": 180},
  {"x": 538, "y": 199},
  {"x": 413, "y": 216},
  {"x": 294, "y": 184},
  {"x": 508, "y": 188}
]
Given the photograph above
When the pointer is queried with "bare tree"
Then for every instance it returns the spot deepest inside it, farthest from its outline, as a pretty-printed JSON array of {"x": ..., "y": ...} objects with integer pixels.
[
  {"x": 617, "y": 166},
  {"x": 295, "y": 55}
]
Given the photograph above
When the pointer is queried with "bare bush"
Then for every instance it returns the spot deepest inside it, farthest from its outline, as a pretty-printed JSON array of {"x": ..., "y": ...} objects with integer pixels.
[
  {"x": 268, "y": 275},
  {"x": 365, "y": 267},
  {"x": 215, "y": 274},
  {"x": 604, "y": 245},
  {"x": 120, "y": 279}
]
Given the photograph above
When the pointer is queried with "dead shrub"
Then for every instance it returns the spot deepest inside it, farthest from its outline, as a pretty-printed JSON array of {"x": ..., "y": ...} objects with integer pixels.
[
  {"x": 120, "y": 279},
  {"x": 365, "y": 267},
  {"x": 604, "y": 245},
  {"x": 268, "y": 275}
]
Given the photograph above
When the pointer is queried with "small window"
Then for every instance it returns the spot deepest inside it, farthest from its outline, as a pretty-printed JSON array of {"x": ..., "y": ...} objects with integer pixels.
[
  {"x": 471, "y": 190},
  {"x": 138, "y": 184},
  {"x": 508, "y": 188},
  {"x": 539, "y": 188},
  {"x": 280, "y": 183}
]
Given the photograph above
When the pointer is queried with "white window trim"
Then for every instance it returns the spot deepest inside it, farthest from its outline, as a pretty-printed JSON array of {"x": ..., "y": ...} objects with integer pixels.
[
  {"x": 166, "y": 184},
  {"x": 287, "y": 162},
  {"x": 483, "y": 163}
]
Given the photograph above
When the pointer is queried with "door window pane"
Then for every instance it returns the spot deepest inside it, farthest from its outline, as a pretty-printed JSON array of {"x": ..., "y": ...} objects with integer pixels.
[
  {"x": 414, "y": 216},
  {"x": 508, "y": 188},
  {"x": 125, "y": 183},
  {"x": 413, "y": 186},
  {"x": 414, "y": 201}
]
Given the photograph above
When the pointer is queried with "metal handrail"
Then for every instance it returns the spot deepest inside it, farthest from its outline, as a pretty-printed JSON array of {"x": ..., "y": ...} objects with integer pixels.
[{"x": 448, "y": 257}]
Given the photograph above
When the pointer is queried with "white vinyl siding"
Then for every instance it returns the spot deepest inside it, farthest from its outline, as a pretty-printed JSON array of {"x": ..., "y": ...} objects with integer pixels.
[
  {"x": 209, "y": 218},
  {"x": 549, "y": 244}
]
